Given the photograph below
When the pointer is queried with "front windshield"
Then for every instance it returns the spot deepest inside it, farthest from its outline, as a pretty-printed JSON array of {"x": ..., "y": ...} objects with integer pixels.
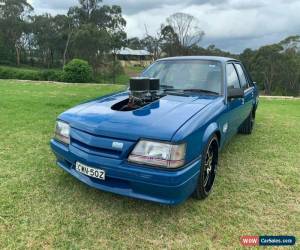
[{"x": 187, "y": 74}]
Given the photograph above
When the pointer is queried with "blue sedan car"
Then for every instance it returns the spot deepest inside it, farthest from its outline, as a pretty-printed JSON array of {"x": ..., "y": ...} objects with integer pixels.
[{"x": 159, "y": 140}]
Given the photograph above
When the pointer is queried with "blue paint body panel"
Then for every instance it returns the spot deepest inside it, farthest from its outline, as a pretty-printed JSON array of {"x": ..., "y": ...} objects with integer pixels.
[{"x": 190, "y": 119}]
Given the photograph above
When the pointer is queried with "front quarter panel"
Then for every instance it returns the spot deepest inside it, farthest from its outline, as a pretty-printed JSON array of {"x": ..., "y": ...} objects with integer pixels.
[{"x": 196, "y": 131}]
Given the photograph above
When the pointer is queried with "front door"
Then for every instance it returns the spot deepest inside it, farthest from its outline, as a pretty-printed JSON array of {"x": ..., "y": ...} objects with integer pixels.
[
  {"x": 248, "y": 90},
  {"x": 235, "y": 106}
]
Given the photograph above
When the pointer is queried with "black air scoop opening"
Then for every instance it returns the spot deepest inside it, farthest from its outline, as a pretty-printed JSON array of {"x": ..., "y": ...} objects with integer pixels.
[
  {"x": 122, "y": 106},
  {"x": 143, "y": 91}
]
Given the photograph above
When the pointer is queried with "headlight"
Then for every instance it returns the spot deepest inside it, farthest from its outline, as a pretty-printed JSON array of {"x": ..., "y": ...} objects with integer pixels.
[
  {"x": 62, "y": 132},
  {"x": 158, "y": 154}
]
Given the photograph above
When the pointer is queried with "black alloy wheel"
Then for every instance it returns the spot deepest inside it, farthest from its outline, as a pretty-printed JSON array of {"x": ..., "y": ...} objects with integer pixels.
[{"x": 208, "y": 169}]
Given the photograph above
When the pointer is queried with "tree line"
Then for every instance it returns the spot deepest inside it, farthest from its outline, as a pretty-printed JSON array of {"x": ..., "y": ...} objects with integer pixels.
[
  {"x": 93, "y": 31},
  {"x": 88, "y": 31}
]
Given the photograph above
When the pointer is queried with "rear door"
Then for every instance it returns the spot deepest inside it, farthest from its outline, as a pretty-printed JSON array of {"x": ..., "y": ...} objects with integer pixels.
[
  {"x": 248, "y": 90},
  {"x": 235, "y": 106}
]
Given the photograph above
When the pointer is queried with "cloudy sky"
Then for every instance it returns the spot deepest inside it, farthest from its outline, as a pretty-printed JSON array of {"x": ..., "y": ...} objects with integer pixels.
[{"x": 231, "y": 25}]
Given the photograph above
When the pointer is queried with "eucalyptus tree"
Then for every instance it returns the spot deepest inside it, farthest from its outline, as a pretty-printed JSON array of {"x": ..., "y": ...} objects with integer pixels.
[
  {"x": 99, "y": 30},
  {"x": 170, "y": 41},
  {"x": 14, "y": 15},
  {"x": 134, "y": 43},
  {"x": 187, "y": 29}
]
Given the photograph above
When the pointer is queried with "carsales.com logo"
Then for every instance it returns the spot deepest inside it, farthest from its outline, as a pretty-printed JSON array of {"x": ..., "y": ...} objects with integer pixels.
[{"x": 268, "y": 240}]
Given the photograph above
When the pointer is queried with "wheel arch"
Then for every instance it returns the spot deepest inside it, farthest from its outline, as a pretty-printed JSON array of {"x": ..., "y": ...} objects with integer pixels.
[
  {"x": 253, "y": 111},
  {"x": 218, "y": 134},
  {"x": 211, "y": 130}
]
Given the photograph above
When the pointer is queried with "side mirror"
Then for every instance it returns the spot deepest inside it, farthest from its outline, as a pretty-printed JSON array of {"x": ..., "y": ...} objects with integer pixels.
[{"x": 235, "y": 93}]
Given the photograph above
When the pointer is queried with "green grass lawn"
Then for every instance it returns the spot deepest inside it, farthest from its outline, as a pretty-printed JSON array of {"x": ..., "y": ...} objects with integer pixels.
[{"x": 257, "y": 191}]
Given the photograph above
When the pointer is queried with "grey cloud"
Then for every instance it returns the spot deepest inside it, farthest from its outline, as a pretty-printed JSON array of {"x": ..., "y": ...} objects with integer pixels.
[
  {"x": 134, "y": 6},
  {"x": 239, "y": 44},
  {"x": 54, "y": 4},
  {"x": 129, "y": 7},
  {"x": 210, "y": 2},
  {"x": 231, "y": 25}
]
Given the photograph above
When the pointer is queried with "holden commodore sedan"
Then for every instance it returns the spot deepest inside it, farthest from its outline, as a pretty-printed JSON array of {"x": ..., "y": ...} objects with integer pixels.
[{"x": 159, "y": 140}]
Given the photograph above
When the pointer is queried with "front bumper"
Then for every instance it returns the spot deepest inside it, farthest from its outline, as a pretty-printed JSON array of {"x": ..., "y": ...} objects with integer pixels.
[{"x": 157, "y": 185}]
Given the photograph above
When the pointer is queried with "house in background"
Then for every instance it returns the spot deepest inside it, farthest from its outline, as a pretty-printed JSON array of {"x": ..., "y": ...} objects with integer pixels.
[{"x": 130, "y": 57}]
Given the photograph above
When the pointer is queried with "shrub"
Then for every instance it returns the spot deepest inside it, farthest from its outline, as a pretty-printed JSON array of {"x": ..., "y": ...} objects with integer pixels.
[
  {"x": 77, "y": 71},
  {"x": 6, "y": 73},
  {"x": 31, "y": 74},
  {"x": 27, "y": 74},
  {"x": 52, "y": 75},
  {"x": 6, "y": 62},
  {"x": 116, "y": 68},
  {"x": 15, "y": 73}
]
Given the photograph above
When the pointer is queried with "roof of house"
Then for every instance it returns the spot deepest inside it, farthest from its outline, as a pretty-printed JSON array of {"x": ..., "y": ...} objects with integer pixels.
[{"x": 132, "y": 52}]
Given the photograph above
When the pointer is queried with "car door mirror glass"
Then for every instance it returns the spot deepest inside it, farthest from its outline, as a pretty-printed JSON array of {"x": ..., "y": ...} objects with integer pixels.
[{"x": 234, "y": 93}]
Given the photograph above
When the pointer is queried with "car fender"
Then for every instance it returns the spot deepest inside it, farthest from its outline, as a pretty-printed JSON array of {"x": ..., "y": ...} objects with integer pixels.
[
  {"x": 209, "y": 131},
  {"x": 197, "y": 131}
]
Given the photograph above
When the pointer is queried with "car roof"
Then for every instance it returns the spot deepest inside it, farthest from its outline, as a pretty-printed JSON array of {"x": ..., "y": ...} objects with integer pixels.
[{"x": 208, "y": 58}]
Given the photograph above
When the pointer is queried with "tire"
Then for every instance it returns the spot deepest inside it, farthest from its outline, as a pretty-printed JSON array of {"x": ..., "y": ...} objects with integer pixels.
[
  {"x": 208, "y": 169},
  {"x": 247, "y": 126}
]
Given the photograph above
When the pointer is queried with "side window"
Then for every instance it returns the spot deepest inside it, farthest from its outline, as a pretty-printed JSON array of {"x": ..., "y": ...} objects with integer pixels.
[
  {"x": 232, "y": 78},
  {"x": 243, "y": 79}
]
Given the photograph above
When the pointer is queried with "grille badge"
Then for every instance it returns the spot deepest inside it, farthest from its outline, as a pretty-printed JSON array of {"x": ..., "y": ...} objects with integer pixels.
[{"x": 117, "y": 145}]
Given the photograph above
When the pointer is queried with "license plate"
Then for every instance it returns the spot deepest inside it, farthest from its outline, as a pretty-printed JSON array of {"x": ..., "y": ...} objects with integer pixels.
[{"x": 92, "y": 172}]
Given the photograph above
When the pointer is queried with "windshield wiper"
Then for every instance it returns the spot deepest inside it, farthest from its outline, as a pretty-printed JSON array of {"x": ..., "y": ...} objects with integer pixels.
[
  {"x": 166, "y": 87},
  {"x": 200, "y": 91},
  {"x": 172, "y": 90}
]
